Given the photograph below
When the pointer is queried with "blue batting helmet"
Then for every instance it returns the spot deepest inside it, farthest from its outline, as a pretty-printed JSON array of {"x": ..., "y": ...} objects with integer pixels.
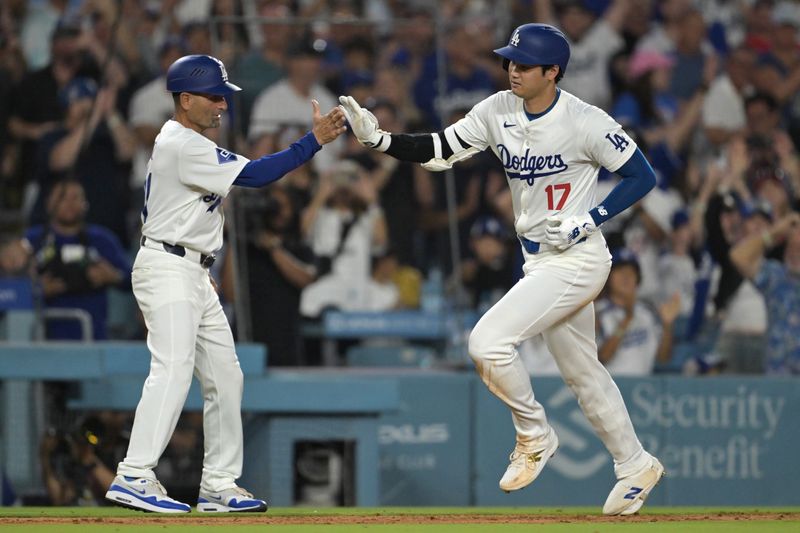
[
  {"x": 199, "y": 74},
  {"x": 536, "y": 44}
]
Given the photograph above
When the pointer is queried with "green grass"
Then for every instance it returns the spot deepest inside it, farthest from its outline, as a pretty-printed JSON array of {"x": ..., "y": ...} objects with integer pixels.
[{"x": 582, "y": 519}]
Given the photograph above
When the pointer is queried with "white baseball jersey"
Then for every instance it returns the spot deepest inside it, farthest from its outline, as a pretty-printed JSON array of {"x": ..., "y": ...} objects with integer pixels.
[
  {"x": 187, "y": 178},
  {"x": 551, "y": 162}
]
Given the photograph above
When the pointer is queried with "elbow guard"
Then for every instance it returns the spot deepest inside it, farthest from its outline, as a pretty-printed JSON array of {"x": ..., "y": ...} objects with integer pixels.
[{"x": 448, "y": 153}]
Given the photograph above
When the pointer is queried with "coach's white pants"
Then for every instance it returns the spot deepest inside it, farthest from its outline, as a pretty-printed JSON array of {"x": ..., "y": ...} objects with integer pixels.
[
  {"x": 188, "y": 333},
  {"x": 555, "y": 298}
]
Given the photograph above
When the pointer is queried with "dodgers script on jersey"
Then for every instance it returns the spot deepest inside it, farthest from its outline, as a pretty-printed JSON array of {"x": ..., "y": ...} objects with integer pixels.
[
  {"x": 551, "y": 162},
  {"x": 188, "y": 176}
]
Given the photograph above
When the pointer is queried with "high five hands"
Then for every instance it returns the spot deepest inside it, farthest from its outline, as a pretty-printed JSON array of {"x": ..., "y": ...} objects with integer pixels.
[{"x": 327, "y": 127}]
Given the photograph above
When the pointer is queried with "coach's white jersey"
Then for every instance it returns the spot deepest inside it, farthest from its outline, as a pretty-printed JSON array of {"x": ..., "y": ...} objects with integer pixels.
[
  {"x": 551, "y": 162},
  {"x": 187, "y": 178}
]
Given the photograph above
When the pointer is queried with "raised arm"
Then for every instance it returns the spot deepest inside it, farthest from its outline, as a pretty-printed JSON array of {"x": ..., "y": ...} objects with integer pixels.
[
  {"x": 435, "y": 151},
  {"x": 272, "y": 167},
  {"x": 748, "y": 254}
]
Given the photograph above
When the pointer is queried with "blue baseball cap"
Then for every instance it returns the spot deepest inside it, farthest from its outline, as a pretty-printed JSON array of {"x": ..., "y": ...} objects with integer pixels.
[
  {"x": 757, "y": 207},
  {"x": 679, "y": 218},
  {"x": 488, "y": 225},
  {"x": 77, "y": 89}
]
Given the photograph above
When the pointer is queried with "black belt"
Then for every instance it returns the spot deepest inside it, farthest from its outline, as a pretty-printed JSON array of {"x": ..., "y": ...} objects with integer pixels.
[{"x": 176, "y": 249}]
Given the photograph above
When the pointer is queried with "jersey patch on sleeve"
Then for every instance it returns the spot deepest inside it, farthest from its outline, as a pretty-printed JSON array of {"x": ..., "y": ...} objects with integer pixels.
[{"x": 224, "y": 156}]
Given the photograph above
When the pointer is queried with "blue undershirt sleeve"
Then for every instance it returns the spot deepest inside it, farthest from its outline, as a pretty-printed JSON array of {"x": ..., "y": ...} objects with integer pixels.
[
  {"x": 272, "y": 167},
  {"x": 638, "y": 179}
]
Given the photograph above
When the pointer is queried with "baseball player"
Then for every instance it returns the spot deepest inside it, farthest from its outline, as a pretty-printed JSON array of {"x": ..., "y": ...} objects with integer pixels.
[
  {"x": 187, "y": 178},
  {"x": 552, "y": 146}
]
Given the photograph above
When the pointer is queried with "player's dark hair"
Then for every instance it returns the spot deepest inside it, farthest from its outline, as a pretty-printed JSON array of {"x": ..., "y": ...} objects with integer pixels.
[{"x": 560, "y": 74}]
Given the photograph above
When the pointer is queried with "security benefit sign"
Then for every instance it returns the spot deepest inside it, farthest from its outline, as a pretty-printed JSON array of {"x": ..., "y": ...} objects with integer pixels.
[{"x": 722, "y": 441}]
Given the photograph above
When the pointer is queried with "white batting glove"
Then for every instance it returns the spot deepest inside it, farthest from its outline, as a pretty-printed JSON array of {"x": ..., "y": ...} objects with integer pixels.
[
  {"x": 364, "y": 125},
  {"x": 564, "y": 232}
]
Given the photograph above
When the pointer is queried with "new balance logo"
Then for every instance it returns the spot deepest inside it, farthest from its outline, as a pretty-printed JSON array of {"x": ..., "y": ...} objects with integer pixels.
[
  {"x": 635, "y": 491},
  {"x": 535, "y": 457}
]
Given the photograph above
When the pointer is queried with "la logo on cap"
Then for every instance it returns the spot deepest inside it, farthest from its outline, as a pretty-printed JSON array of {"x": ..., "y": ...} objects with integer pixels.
[{"x": 515, "y": 39}]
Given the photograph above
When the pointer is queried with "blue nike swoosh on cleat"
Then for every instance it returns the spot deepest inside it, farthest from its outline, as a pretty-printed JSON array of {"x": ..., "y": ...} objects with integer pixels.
[{"x": 507, "y": 125}]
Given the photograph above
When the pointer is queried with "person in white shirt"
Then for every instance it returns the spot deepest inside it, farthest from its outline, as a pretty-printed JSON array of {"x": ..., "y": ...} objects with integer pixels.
[
  {"x": 285, "y": 103},
  {"x": 632, "y": 336}
]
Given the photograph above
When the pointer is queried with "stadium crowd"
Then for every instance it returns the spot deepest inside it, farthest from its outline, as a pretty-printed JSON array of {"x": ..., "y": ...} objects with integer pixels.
[{"x": 706, "y": 274}]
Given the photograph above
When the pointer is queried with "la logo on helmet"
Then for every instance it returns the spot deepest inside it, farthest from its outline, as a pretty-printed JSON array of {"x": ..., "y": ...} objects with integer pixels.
[
  {"x": 222, "y": 69},
  {"x": 515, "y": 39}
]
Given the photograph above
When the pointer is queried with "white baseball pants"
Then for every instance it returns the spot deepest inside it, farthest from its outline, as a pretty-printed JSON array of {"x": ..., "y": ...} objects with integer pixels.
[
  {"x": 188, "y": 333},
  {"x": 555, "y": 298}
]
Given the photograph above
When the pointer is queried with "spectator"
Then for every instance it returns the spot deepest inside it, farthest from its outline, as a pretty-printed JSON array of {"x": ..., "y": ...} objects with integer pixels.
[
  {"x": 593, "y": 42},
  {"x": 41, "y": 18},
  {"x": 779, "y": 282},
  {"x": 769, "y": 149},
  {"x": 741, "y": 344},
  {"x": 676, "y": 268},
  {"x": 488, "y": 273},
  {"x": 778, "y": 70},
  {"x": 78, "y": 464},
  {"x": 759, "y": 26},
  {"x": 76, "y": 262},
  {"x": 695, "y": 64},
  {"x": 357, "y": 68},
  {"x": 260, "y": 68},
  {"x": 231, "y": 34},
  {"x": 723, "y": 108},
  {"x": 95, "y": 145},
  {"x": 285, "y": 103},
  {"x": 666, "y": 127},
  {"x": 150, "y": 107},
  {"x": 663, "y": 34},
  {"x": 399, "y": 186},
  {"x": 466, "y": 82},
  {"x": 35, "y": 107},
  {"x": 279, "y": 267},
  {"x": 631, "y": 336},
  {"x": 346, "y": 228}
]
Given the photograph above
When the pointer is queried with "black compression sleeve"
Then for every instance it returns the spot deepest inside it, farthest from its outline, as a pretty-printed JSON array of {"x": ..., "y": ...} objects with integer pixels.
[
  {"x": 418, "y": 147},
  {"x": 407, "y": 147}
]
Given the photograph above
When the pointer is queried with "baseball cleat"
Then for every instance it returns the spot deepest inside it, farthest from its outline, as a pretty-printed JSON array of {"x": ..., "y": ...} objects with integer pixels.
[
  {"x": 527, "y": 462},
  {"x": 629, "y": 494},
  {"x": 232, "y": 500},
  {"x": 142, "y": 494}
]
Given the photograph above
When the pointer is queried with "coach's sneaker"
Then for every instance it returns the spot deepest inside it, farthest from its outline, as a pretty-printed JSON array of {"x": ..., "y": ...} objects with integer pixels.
[
  {"x": 143, "y": 494},
  {"x": 232, "y": 500},
  {"x": 629, "y": 494},
  {"x": 527, "y": 462}
]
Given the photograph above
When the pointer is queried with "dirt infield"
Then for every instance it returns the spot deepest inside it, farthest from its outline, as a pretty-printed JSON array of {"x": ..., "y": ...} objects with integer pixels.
[{"x": 379, "y": 518}]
